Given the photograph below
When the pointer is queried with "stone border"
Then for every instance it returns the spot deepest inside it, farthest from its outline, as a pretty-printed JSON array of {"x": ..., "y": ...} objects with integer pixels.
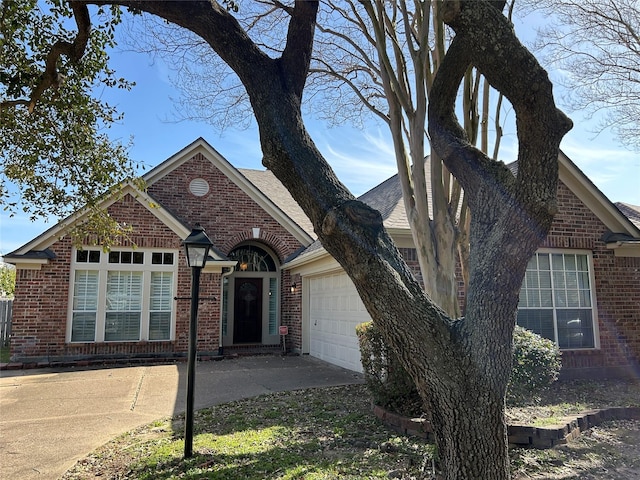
[{"x": 522, "y": 436}]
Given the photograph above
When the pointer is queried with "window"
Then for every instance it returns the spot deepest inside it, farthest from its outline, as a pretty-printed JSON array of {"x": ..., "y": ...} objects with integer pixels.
[
  {"x": 225, "y": 305},
  {"x": 158, "y": 258},
  {"x": 126, "y": 257},
  {"x": 124, "y": 306},
  {"x": 253, "y": 259},
  {"x": 85, "y": 306},
  {"x": 556, "y": 300},
  {"x": 273, "y": 306},
  {"x": 122, "y": 296},
  {"x": 161, "y": 298}
]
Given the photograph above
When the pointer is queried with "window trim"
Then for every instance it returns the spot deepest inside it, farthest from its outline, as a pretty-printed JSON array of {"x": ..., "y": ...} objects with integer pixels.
[
  {"x": 592, "y": 290},
  {"x": 103, "y": 267}
]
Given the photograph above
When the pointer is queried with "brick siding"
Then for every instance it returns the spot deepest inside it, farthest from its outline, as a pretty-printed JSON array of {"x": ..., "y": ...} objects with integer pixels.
[
  {"x": 228, "y": 216},
  {"x": 617, "y": 286}
]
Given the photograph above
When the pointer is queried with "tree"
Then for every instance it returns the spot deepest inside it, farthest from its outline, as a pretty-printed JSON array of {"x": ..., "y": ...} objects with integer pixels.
[
  {"x": 389, "y": 63},
  {"x": 446, "y": 356},
  {"x": 370, "y": 58},
  {"x": 597, "y": 45},
  {"x": 56, "y": 157},
  {"x": 7, "y": 280}
]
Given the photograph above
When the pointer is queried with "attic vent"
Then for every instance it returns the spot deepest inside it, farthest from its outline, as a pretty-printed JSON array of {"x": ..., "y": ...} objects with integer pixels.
[{"x": 199, "y": 187}]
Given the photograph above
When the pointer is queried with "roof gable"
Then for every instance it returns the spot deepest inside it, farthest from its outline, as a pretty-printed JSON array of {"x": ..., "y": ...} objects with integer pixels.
[
  {"x": 261, "y": 186},
  {"x": 266, "y": 182},
  {"x": 594, "y": 199},
  {"x": 43, "y": 241}
]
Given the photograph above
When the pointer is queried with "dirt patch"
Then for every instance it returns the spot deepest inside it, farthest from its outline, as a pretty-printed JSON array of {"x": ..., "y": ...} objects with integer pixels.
[{"x": 610, "y": 451}]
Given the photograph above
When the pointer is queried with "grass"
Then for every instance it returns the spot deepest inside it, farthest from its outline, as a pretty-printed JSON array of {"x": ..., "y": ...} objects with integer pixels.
[
  {"x": 4, "y": 354},
  {"x": 312, "y": 434},
  {"x": 330, "y": 433}
]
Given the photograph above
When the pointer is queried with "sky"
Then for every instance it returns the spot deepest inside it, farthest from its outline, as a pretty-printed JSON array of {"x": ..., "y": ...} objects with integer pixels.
[{"x": 361, "y": 158}]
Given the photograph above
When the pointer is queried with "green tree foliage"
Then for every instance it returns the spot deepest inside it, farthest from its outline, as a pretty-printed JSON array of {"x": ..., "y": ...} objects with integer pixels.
[
  {"x": 7, "y": 280},
  {"x": 55, "y": 154}
]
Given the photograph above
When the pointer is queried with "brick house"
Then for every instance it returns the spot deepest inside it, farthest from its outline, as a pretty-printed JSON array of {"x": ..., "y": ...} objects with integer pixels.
[{"x": 267, "y": 270}]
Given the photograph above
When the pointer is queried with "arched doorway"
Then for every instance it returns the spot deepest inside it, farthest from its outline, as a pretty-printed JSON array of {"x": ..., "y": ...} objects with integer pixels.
[{"x": 251, "y": 297}]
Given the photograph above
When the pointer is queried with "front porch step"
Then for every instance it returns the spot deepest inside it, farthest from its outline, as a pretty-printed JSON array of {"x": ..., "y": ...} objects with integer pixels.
[{"x": 254, "y": 349}]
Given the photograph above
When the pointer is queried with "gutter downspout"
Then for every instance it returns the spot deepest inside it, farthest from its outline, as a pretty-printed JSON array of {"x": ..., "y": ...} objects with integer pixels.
[{"x": 222, "y": 277}]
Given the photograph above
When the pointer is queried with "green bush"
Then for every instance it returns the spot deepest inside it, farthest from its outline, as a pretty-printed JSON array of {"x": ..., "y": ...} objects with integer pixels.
[
  {"x": 390, "y": 385},
  {"x": 536, "y": 363}
]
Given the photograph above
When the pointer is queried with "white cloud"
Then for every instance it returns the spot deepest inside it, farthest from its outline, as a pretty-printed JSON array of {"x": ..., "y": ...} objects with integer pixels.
[
  {"x": 615, "y": 171},
  {"x": 361, "y": 159}
]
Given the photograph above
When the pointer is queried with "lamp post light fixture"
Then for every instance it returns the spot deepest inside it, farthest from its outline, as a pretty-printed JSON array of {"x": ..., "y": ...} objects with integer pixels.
[{"x": 196, "y": 247}]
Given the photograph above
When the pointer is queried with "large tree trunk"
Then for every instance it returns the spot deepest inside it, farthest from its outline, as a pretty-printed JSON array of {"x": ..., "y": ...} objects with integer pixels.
[{"x": 463, "y": 363}]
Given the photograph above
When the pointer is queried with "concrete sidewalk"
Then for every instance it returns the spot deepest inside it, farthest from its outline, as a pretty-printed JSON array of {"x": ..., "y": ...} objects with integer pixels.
[{"x": 51, "y": 418}]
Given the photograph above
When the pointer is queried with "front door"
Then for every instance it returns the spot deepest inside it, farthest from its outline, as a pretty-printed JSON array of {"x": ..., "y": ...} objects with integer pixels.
[{"x": 247, "y": 320}]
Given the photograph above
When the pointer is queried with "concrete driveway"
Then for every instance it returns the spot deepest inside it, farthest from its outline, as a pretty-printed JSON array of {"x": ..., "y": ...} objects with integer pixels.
[{"x": 51, "y": 418}]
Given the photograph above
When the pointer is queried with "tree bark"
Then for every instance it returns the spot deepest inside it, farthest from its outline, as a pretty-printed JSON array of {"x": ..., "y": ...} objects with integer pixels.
[
  {"x": 510, "y": 218},
  {"x": 463, "y": 363}
]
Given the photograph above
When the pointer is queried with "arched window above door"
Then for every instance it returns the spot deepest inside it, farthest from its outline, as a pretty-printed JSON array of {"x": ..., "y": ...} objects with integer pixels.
[{"x": 251, "y": 258}]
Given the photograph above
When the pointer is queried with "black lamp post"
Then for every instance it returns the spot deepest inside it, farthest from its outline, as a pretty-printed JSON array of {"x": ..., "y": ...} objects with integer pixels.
[{"x": 196, "y": 246}]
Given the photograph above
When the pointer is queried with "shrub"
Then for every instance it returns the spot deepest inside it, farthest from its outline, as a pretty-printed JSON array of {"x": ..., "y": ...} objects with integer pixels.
[
  {"x": 390, "y": 385},
  {"x": 536, "y": 363}
]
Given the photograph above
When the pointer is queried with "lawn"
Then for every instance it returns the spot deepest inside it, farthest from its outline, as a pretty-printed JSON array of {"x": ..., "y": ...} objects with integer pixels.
[
  {"x": 330, "y": 433},
  {"x": 4, "y": 354}
]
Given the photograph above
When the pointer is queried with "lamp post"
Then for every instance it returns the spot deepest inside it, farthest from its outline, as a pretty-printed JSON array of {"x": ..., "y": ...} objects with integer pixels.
[{"x": 196, "y": 246}]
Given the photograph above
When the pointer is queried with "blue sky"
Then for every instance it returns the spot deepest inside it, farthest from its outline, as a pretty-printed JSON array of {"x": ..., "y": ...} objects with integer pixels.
[{"x": 361, "y": 158}]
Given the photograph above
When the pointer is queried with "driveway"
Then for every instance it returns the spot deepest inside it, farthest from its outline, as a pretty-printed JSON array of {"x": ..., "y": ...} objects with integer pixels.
[{"x": 51, "y": 418}]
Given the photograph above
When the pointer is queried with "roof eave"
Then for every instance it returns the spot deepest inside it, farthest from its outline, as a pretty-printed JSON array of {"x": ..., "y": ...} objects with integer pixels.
[
  {"x": 304, "y": 259},
  {"x": 594, "y": 199},
  {"x": 53, "y": 234},
  {"x": 629, "y": 248},
  {"x": 26, "y": 263}
]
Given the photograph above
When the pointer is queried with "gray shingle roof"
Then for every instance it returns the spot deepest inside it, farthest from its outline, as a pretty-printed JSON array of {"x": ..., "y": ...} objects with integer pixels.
[
  {"x": 387, "y": 199},
  {"x": 267, "y": 183},
  {"x": 632, "y": 212}
]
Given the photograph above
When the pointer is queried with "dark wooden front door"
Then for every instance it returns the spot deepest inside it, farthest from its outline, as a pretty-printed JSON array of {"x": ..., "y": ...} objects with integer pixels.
[{"x": 247, "y": 321}]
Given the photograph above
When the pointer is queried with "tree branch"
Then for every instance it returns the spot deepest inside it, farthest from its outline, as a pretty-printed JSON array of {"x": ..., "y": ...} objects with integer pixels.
[
  {"x": 51, "y": 78},
  {"x": 485, "y": 39},
  {"x": 297, "y": 53}
]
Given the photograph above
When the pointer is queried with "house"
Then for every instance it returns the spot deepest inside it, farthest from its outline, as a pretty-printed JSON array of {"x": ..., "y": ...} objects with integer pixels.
[{"x": 267, "y": 270}]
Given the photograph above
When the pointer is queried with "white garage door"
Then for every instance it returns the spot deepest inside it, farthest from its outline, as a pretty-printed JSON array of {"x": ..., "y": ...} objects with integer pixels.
[{"x": 334, "y": 311}]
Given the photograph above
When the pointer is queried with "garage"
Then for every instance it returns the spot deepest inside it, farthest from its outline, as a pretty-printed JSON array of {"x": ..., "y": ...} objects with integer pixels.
[{"x": 334, "y": 311}]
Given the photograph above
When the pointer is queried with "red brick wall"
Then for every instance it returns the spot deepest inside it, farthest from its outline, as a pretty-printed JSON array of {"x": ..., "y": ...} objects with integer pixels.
[
  {"x": 40, "y": 307},
  {"x": 228, "y": 216},
  {"x": 226, "y": 212},
  {"x": 617, "y": 286},
  {"x": 291, "y": 314},
  {"x": 42, "y": 296}
]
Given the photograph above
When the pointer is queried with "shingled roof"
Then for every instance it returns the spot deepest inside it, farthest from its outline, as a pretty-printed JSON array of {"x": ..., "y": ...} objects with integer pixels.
[
  {"x": 267, "y": 183},
  {"x": 632, "y": 212},
  {"x": 387, "y": 199}
]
